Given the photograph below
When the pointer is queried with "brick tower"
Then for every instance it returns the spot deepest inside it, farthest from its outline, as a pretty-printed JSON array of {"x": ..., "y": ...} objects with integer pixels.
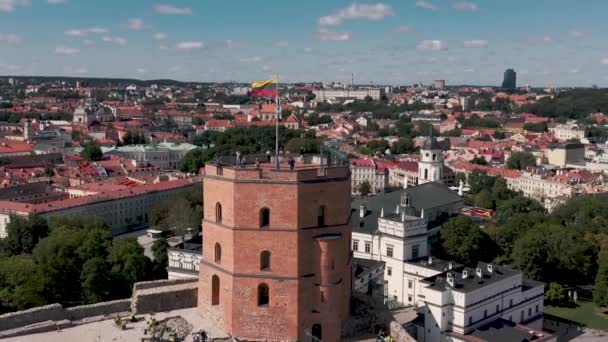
[{"x": 276, "y": 251}]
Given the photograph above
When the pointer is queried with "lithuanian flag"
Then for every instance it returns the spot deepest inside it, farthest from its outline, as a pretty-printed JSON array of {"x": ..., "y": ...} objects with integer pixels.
[{"x": 266, "y": 88}]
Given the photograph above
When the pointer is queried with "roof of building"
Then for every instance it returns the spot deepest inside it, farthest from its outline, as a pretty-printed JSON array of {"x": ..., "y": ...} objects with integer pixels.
[
  {"x": 472, "y": 282},
  {"x": 431, "y": 144},
  {"x": 501, "y": 330},
  {"x": 431, "y": 195}
]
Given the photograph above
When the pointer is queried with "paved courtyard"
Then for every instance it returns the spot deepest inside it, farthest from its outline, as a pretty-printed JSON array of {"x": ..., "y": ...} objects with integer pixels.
[{"x": 106, "y": 331}]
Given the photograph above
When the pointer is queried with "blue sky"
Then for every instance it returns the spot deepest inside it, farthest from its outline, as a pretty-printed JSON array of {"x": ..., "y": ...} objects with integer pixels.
[{"x": 548, "y": 42}]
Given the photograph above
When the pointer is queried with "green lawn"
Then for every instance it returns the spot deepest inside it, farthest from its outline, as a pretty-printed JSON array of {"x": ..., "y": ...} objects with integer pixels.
[{"x": 586, "y": 314}]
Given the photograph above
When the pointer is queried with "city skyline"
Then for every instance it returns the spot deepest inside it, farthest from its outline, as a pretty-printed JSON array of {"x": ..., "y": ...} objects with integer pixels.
[{"x": 389, "y": 42}]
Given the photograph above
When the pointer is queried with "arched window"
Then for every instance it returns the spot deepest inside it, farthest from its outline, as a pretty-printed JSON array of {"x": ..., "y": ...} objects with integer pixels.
[
  {"x": 265, "y": 261},
  {"x": 264, "y": 217},
  {"x": 218, "y": 253},
  {"x": 218, "y": 212},
  {"x": 317, "y": 331},
  {"x": 321, "y": 216},
  {"x": 263, "y": 295},
  {"x": 434, "y": 156},
  {"x": 426, "y": 173},
  {"x": 215, "y": 290}
]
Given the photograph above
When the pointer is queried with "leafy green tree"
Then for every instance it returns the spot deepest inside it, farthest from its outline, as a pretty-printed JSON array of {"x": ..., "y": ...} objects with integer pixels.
[
  {"x": 95, "y": 282},
  {"x": 193, "y": 161},
  {"x": 518, "y": 204},
  {"x": 161, "y": 258},
  {"x": 303, "y": 145},
  {"x": 403, "y": 146},
  {"x": 464, "y": 241},
  {"x": 479, "y": 161},
  {"x": 483, "y": 199},
  {"x": 506, "y": 234},
  {"x": 376, "y": 146},
  {"x": 479, "y": 180},
  {"x": 521, "y": 161},
  {"x": 91, "y": 151},
  {"x": 134, "y": 138},
  {"x": 556, "y": 294},
  {"x": 365, "y": 188},
  {"x": 600, "y": 288},
  {"x": 21, "y": 284},
  {"x": 129, "y": 265},
  {"x": 536, "y": 127},
  {"x": 500, "y": 190},
  {"x": 24, "y": 234},
  {"x": 183, "y": 217}
]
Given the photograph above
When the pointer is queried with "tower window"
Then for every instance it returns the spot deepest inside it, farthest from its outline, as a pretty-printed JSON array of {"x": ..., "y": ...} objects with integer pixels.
[
  {"x": 215, "y": 290},
  {"x": 321, "y": 216},
  {"x": 426, "y": 173},
  {"x": 263, "y": 295},
  {"x": 434, "y": 156},
  {"x": 265, "y": 261},
  {"x": 218, "y": 253},
  {"x": 264, "y": 217},
  {"x": 218, "y": 212}
]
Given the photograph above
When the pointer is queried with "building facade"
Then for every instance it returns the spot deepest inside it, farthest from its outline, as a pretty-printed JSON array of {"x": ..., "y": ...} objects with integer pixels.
[
  {"x": 371, "y": 171},
  {"x": 165, "y": 156},
  {"x": 430, "y": 166},
  {"x": 276, "y": 251},
  {"x": 568, "y": 131},
  {"x": 322, "y": 95}
]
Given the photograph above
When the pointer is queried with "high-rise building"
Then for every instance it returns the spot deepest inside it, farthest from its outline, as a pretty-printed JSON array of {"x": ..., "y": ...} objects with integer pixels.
[
  {"x": 276, "y": 261},
  {"x": 439, "y": 84},
  {"x": 510, "y": 79}
]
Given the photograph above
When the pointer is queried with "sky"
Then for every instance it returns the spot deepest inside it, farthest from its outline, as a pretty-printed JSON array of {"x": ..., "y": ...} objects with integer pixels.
[{"x": 400, "y": 42}]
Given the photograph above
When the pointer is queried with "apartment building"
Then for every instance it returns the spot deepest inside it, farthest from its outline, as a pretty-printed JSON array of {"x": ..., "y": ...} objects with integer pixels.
[
  {"x": 376, "y": 173},
  {"x": 567, "y": 131},
  {"x": 359, "y": 94}
]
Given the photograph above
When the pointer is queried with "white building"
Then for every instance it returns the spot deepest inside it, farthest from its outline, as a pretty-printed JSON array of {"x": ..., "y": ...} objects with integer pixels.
[
  {"x": 430, "y": 166},
  {"x": 185, "y": 259},
  {"x": 369, "y": 170},
  {"x": 322, "y": 95},
  {"x": 166, "y": 156},
  {"x": 567, "y": 131}
]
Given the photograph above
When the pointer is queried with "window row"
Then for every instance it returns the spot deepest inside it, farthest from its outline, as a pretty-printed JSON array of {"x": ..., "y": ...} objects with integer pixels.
[
  {"x": 263, "y": 293},
  {"x": 265, "y": 216},
  {"x": 264, "y": 258}
]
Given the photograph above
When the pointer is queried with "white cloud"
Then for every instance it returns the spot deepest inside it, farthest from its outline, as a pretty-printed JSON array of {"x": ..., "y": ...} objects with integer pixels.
[
  {"x": 434, "y": 45},
  {"x": 160, "y": 36},
  {"x": 169, "y": 9},
  {"x": 476, "y": 43},
  {"x": 175, "y": 68},
  {"x": 56, "y": 2},
  {"x": 190, "y": 45},
  {"x": 254, "y": 59},
  {"x": 574, "y": 70},
  {"x": 426, "y": 5},
  {"x": 85, "y": 32},
  {"x": 115, "y": 40},
  {"x": 88, "y": 42},
  {"x": 136, "y": 24},
  {"x": 403, "y": 29},
  {"x": 11, "y": 5},
  {"x": 576, "y": 34},
  {"x": 141, "y": 70},
  {"x": 547, "y": 39},
  {"x": 327, "y": 35},
  {"x": 163, "y": 47},
  {"x": 604, "y": 61},
  {"x": 355, "y": 11},
  {"x": 266, "y": 68},
  {"x": 10, "y": 38},
  {"x": 281, "y": 44},
  {"x": 64, "y": 50},
  {"x": 308, "y": 50},
  {"x": 466, "y": 6}
]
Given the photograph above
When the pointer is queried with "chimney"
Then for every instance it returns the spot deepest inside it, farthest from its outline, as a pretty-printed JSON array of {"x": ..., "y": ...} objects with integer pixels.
[
  {"x": 479, "y": 272},
  {"x": 450, "y": 279},
  {"x": 465, "y": 274},
  {"x": 490, "y": 268},
  {"x": 450, "y": 265},
  {"x": 422, "y": 213},
  {"x": 362, "y": 211},
  {"x": 382, "y": 212},
  {"x": 430, "y": 260}
]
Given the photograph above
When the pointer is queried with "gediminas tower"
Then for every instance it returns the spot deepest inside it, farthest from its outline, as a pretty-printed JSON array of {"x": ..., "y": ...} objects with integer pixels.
[{"x": 276, "y": 251}]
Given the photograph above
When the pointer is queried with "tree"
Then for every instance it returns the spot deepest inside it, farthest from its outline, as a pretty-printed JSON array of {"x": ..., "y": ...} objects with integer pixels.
[
  {"x": 193, "y": 161},
  {"x": 403, "y": 146},
  {"x": 521, "y": 161},
  {"x": 91, "y": 151},
  {"x": 518, "y": 204},
  {"x": 479, "y": 180},
  {"x": 134, "y": 138},
  {"x": 463, "y": 240},
  {"x": 183, "y": 217},
  {"x": 161, "y": 259},
  {"x": 483, "y": 199},
  {"x": 505, "y": 235},
  {"x": 365, "y": 188},
  {"x": 303, "y": 145},
  {"x": 129, "y": 265},
  {"x": 21, "y": 284},
  {"x": 600, "y": 288},
  {"x": 24, "y": 234},
  {"x": 536, "y": 127},
  {"x": 479, "y": 161},
  {"x": 95, "y": 281},
  {"x": 500, "y": 190},
  {"x": 556, "y": 294}
]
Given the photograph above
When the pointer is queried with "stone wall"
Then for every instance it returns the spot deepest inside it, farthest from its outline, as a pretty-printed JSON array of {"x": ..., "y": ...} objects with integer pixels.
[
  {"x": 399, "y": 333},
  {"x": 99, "y": 309},
  {"x": 164, "y": 282},
  {"x": 165, "y": 298},
  {"x": 53, "y": 312}
]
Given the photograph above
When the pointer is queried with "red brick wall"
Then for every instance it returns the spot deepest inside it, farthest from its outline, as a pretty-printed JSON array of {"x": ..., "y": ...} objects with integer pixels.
[{"x": 301, "y": 261}]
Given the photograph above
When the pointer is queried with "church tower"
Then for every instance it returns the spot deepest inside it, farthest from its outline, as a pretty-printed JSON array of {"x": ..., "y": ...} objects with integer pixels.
[
  {"x": 430, "y": 166},
  {"x": 276, "y": 251}
]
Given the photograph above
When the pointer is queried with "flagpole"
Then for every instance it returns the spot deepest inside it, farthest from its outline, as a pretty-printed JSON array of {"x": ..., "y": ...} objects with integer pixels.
[{"x": 278, "y": 111}]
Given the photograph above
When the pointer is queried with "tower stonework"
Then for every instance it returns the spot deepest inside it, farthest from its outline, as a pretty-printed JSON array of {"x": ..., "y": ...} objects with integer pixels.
[{"x": 276, "y": 251}]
